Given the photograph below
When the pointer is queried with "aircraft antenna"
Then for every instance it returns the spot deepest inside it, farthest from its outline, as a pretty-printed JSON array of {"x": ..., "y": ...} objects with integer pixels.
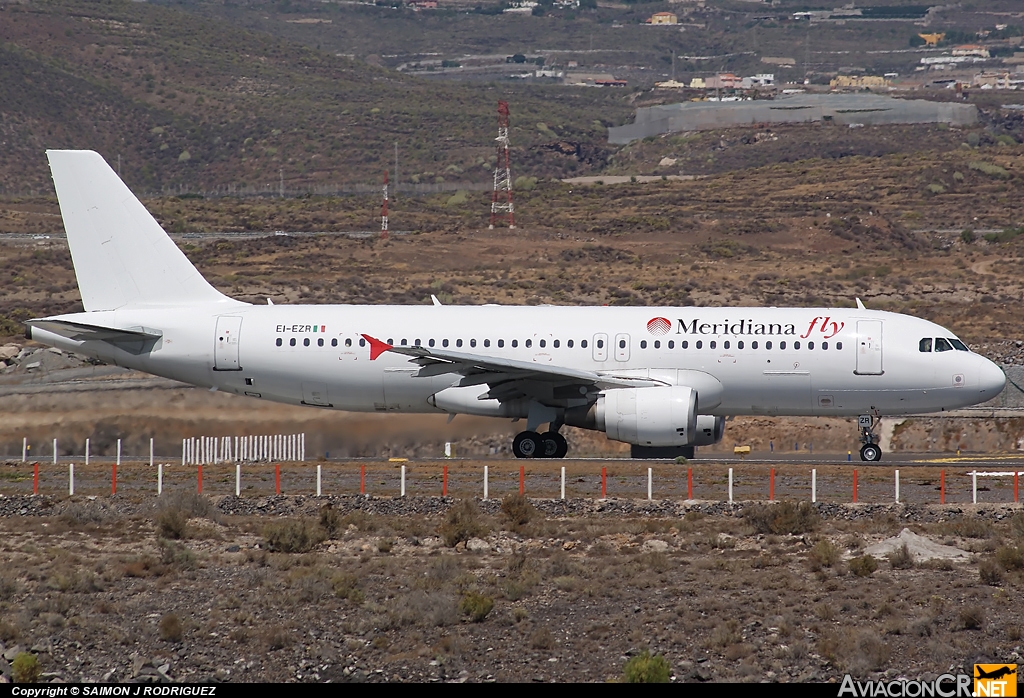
[
  {"x": 384, "y": 210},
  {"x": 501, "y": 199}
]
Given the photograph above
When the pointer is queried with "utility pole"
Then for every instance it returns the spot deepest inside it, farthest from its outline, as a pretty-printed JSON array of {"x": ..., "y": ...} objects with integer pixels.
[
  {"x": 384, "y": 210},
  {"x": 501, "y": 198},
  {"x": 395, "y": 192},
  {"x": 281, "y": 172}
]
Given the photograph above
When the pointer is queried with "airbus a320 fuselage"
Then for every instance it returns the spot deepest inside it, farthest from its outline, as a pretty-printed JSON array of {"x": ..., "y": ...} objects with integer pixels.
[{"x": 651, "y": 377}]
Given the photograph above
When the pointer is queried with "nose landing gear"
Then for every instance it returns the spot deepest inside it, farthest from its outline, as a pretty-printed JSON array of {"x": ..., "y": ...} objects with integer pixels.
[{"x": 870, "y": 451}]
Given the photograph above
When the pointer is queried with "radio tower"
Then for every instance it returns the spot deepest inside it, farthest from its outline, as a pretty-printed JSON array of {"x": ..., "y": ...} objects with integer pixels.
[
  {"x": 501, "y": 199},
  {"x": 384, "y": 210}
]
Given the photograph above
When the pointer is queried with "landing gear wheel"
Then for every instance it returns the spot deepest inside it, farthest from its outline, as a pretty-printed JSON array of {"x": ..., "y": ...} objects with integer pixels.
[
  {"x": 553, "y": 445},
  {"x": 527, "y": 444},
  {"x": 870, "y": 452}
]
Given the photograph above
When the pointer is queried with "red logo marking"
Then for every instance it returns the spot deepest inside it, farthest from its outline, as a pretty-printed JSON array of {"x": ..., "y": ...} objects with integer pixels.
[{"x": 658, "y": 326}]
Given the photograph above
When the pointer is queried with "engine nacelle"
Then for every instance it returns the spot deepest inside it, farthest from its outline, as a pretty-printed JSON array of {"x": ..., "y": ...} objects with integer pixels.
[
  {"x": 662, "y": 416},
  {"x": 710, "y": 430}
]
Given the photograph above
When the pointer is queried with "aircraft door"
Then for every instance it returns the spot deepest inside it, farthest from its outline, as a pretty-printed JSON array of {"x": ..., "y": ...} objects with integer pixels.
[
  {"x": 225, "y": 349},
  {"x": 869, "y": 348},
  {"x": 600, "y": 347},
  {"x": 622, "y": 347}
]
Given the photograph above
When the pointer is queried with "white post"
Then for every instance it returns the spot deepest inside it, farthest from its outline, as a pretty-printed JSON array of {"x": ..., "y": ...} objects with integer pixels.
[
  {"x": 974, "y": 486},
  {"x": 159, "y": 479},
  {"x": 317, "y": 479},
  {"x": 563, "y": 482},
  {"x": 71, "y": 479},
  {"x": 119, "y": 452},
  {"x": 183, "y": 451},
  {"x": 238, "y": 479},
  {"x": 302, "y": 446},
  {"x": 897, "y": 486},
  {"x": 403, "y": 480},
  {"x": 55, "y": 451},
  {"x": 151, "y": 452},
  {"x": 447, "y": 449},
  {"x": 650, "y": 485},
  {"x": 485, "y": 483},
  {"x": 236, "y": 454},
  {"x": 814, "y": 486},
  {"x": 87, "y": 451},
  {"x": 24, "y": 449},
  {"x": 730, "y": 485}
]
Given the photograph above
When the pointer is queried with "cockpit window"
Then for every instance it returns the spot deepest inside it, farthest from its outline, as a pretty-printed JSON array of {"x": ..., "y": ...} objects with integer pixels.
[
  {"x": 958, "y": 345},
  {"x": 925, "y": 345},
  {"x": 942, "y": 345}
]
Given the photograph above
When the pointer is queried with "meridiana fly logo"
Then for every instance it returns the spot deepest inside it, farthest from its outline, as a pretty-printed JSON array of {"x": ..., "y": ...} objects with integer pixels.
[
  {"x": 995, "y": 680},
  {"x": 659, "y": 326}
]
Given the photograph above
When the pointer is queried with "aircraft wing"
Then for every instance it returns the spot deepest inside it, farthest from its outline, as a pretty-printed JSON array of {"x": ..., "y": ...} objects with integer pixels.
[
  {"x": 135, "y": 339},
  {"x": 509, "y": 378}
]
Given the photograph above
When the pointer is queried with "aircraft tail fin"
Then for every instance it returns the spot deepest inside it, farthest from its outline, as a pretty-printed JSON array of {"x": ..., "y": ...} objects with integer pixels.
[{"x": 122, "y": 256}]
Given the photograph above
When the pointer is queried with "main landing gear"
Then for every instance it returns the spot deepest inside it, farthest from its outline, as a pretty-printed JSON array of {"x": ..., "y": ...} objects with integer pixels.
[
  {"x": 870, "y": 451},
  {"x": 530, "y": 444}
]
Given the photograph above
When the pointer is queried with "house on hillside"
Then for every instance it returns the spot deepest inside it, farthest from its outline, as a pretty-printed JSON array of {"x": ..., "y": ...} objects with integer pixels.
[
  {"x": 857, "y": 81},
  {"x": 663, "y": 18},
  {"x": 971, "y": 50}
]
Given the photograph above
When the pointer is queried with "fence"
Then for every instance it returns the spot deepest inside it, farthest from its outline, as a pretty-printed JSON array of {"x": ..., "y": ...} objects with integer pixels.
[
  {"x": 210, "y": 450},
  {"x": 831, "y": 484}
]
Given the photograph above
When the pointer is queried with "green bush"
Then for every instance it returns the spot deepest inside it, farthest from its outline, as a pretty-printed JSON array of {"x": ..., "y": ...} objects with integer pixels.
[
  {"x": 292, "y": 536},
  {"x": 476, "y": 606},
  {"x": 824, "y": 553},
  {"x": 644, "y": 668},
  {"x": 25, "y": 668},
  {"x": 863, "y": 566}
]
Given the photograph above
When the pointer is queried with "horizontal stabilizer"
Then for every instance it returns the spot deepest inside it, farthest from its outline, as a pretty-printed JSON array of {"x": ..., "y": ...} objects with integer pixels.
[{"x": 134, "y": 339}]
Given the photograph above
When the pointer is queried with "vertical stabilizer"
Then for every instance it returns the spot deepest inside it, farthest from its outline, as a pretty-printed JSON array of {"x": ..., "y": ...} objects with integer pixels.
[{"x": 122, "y": 256}]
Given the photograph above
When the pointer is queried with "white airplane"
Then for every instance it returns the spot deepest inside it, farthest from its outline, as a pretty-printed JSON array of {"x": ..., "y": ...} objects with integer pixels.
[{"x": 656, "y": 378}]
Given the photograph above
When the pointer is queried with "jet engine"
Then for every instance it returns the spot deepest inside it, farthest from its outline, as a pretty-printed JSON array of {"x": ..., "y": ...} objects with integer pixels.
[
  {"x": 710, "y": 430},
  {"x": 662, "y": 416}
]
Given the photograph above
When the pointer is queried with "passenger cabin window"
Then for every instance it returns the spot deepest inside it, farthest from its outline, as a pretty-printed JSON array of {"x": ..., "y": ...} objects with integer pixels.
[
  {"x": 725, "y": 344},
  {"x": 569, "y": 344},
  {"x": 529, "y": 343},
  {"x": 458, "y": 342},
  {"x": 348, "y": 342},
  {"x": 600, "y": 344},
  {"x": 320, "y": 342},
  {"x": 334, "y": 342},
  {"x": 700, "y": 344},
  {"x": 583, "y": 344},
  {"x": 515, "y": 343},
  {"x": 643, "y": 343},
  {"x": 430, "y": 342},
  {"x": 942, "y": 345},
  {"x": 543, "y": 343},
  {"x": 487, "y": 342},
  {"x": 714, "y": 344},
  {"x": 501, "y": 343},
  {"x": 291, "y": 342},
  {"x": 657, "y": 344},
  {"x": 279, "y": 342},
  {"x": 472, "y": 342},
  {"x": 739, "y": 344},
  {"x": 839, "y": 345},
  {"x": 362, "y": 342},
  {"x": 925, "y": 345}
]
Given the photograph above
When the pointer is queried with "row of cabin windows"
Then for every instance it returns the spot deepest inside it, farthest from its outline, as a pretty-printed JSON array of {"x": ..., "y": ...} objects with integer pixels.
[
  {"x": 727, "y": 344},
  {"x": 941, "y": 344},
  {"x": 699, "y": 344}
]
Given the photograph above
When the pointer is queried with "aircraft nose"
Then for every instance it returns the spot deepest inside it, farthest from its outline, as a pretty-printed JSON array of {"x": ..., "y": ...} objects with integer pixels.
[{"x": 991, "y": 379}]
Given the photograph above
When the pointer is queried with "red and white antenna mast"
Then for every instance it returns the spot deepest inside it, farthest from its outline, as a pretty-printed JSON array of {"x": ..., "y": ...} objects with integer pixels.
[
  {"x": 501, "y": 200},
  {"x": 384, "y": 210}
]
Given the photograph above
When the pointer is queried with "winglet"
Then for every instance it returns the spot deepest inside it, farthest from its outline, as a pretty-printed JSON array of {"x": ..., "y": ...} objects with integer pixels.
[
  {"x": 377, "y": 347},
  {"x": 860, "y": 306},
  {"x": 433, "y": 299}
]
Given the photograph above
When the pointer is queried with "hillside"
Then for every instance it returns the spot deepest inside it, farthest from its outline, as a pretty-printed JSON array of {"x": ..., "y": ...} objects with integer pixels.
[{"x": 187, "y": 101}]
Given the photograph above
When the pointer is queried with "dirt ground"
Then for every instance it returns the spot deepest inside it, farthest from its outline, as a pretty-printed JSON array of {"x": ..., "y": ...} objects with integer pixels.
[{"x": 347, "y": 588}]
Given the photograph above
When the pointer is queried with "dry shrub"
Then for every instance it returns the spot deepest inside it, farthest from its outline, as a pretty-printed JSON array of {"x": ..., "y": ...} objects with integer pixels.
[
  {"x": 518, "y": 510},
  {"x": 785, "y": 518},
  {"x": 346, "y": 586},
  {"x": 330, "y": 520},
  {"x": 177, "y": 555},
  {"x": 824, "y": 554},
  {"x": 171, "y": 629},
  {"x": 276, "y": 637},
  {"x": 292, "y": 536},
  {"x": 990, "y": 573},
  {"x": 1010, "y": 557},
  {"x": 1017, "y": 525},
  {"x": 177, "y": 508},
  {"x": 972, "y": 618},
  {"x": 144, "y": 567},
  {"x": 863, "y": 566},
  {"x": 461, "y": 523},
  {"x": 8, "y": 631},
  {"x": 90, "y": 511},
  {"x": 857, "y": 653},
  {"x": 542, "y": 639},
  {"x": 476, "y": 606},
  {"x": 967, "y": 527},
  {"x": 901, "y": 559}
]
